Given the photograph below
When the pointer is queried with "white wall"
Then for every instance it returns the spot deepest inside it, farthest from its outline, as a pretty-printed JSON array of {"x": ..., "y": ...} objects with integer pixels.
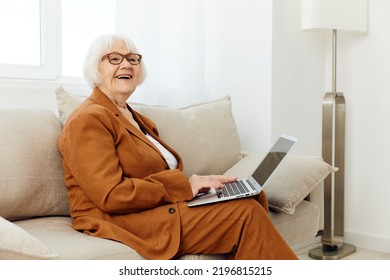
[
  {"x": 302, "y": 74},
  {"x": 35, "y": 94},
  {"x": 298, "y": 74},
  {"x": 238, "y": 63},
  {"x": 364, "y": 77}
]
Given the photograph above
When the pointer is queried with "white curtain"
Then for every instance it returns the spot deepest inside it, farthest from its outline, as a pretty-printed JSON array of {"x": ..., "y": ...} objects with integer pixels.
[
  {"x": 170, "y": 36},
  {"x": 199, "y": 50}
]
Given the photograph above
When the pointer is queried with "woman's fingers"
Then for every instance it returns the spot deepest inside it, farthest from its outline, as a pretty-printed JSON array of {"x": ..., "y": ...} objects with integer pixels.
[{"x": 204, "y": 183}]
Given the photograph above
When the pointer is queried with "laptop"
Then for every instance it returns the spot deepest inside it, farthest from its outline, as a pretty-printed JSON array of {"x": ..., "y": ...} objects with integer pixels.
[{"x": 254, "y": 184}]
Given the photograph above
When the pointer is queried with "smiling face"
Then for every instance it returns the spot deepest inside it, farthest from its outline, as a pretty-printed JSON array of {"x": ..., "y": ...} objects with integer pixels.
[{"x": 118, "y": 82}]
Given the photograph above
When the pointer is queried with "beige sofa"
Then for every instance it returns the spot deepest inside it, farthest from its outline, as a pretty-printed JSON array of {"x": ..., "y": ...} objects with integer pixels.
[{"x": 35, "y": 222}]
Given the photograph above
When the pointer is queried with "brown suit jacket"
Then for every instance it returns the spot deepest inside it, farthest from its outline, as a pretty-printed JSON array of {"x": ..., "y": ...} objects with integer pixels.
[{"x": 119, "y": 185}]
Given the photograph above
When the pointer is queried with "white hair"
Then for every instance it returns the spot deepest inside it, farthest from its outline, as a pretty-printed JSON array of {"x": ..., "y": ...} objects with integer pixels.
[{"x": 97, "y": 49}]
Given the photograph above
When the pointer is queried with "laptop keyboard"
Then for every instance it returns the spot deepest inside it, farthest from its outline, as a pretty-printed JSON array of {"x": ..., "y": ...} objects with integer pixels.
[{"x": 234, "y": 188}]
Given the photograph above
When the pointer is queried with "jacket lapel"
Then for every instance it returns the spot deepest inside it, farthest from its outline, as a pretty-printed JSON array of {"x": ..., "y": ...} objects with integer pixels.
[{"x": 100, "y": 98}]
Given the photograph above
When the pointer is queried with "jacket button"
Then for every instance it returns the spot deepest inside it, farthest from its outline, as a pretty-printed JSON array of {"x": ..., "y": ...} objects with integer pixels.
[{"x": 172, "y": 210}]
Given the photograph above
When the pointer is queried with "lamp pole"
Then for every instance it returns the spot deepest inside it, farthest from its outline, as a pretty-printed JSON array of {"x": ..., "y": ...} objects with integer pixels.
[{"x": 333, "y": 152}]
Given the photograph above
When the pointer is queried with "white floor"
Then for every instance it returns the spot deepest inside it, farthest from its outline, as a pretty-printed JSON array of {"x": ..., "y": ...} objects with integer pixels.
[{"x": 361, "y": 254}]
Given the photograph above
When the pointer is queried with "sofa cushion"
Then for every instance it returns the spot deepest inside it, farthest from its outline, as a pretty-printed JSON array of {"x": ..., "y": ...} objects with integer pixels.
[
  {"x": 205, "y": 135},
  {"x": 17, "y": 244},
  {"x": 296, "y": 177},
  {"x": 31, "y": 174},
  {"x": 58, "y": 235},
  {"x": 69, "y": 244}
]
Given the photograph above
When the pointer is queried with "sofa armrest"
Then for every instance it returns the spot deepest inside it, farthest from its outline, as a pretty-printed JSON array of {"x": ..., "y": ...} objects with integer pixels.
[
  {"x": 17, "y": 244},
  {"x": 317, "y": 197}
]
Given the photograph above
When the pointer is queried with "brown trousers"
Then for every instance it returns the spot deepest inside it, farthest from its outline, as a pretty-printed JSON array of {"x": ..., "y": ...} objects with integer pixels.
[{"x": 240, "y": 228}]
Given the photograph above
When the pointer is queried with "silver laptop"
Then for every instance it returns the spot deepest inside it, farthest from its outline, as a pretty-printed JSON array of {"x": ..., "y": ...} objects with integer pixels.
[{"x": 254, "y": 184}]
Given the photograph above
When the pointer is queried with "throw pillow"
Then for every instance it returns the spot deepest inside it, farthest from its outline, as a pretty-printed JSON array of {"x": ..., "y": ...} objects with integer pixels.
[
  {"x": 17, "y": 244},
  {"x": 66, "y": 103},
  {"x": 31, "y": 174},
  {"x": 296, "y": 177},
  {"x": 205, "y": 134}
]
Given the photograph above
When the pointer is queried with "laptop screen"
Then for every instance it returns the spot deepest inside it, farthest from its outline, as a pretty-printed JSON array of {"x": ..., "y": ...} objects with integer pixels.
[{"x": 273, "y": 158}]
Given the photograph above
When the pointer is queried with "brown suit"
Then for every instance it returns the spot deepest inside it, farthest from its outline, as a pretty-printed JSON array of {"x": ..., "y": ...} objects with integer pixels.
[{"x": 120, "y": 187}]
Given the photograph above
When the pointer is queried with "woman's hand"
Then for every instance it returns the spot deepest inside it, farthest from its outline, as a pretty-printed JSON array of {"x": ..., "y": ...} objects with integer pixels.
[{"x": 203, "y": 184}]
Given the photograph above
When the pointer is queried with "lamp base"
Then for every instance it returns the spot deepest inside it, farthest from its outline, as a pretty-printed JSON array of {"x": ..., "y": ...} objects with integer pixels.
[{"x": 324, "y": 252}]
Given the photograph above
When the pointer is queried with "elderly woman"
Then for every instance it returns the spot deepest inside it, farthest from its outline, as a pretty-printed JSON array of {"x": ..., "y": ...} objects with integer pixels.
[{"x": 126, "y": 184}]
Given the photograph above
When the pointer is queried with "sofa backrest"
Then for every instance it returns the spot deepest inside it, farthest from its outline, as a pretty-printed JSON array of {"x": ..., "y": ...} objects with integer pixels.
[{"x": 31, "y": 174}]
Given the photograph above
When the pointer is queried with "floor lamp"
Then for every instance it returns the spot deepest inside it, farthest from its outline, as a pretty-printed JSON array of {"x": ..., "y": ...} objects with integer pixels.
[{"x": 335, "y": 16}]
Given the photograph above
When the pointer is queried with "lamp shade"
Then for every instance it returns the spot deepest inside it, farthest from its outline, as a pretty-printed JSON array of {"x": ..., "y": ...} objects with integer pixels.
[{"x": 342, "y": 15}]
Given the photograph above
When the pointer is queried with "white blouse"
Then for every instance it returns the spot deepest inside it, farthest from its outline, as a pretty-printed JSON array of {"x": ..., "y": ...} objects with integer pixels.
[{"x": 169, "y": 157}]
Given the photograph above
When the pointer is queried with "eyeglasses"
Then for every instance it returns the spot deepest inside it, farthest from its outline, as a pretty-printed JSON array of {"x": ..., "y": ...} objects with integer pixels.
[{"x": 117, "y": 58}]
